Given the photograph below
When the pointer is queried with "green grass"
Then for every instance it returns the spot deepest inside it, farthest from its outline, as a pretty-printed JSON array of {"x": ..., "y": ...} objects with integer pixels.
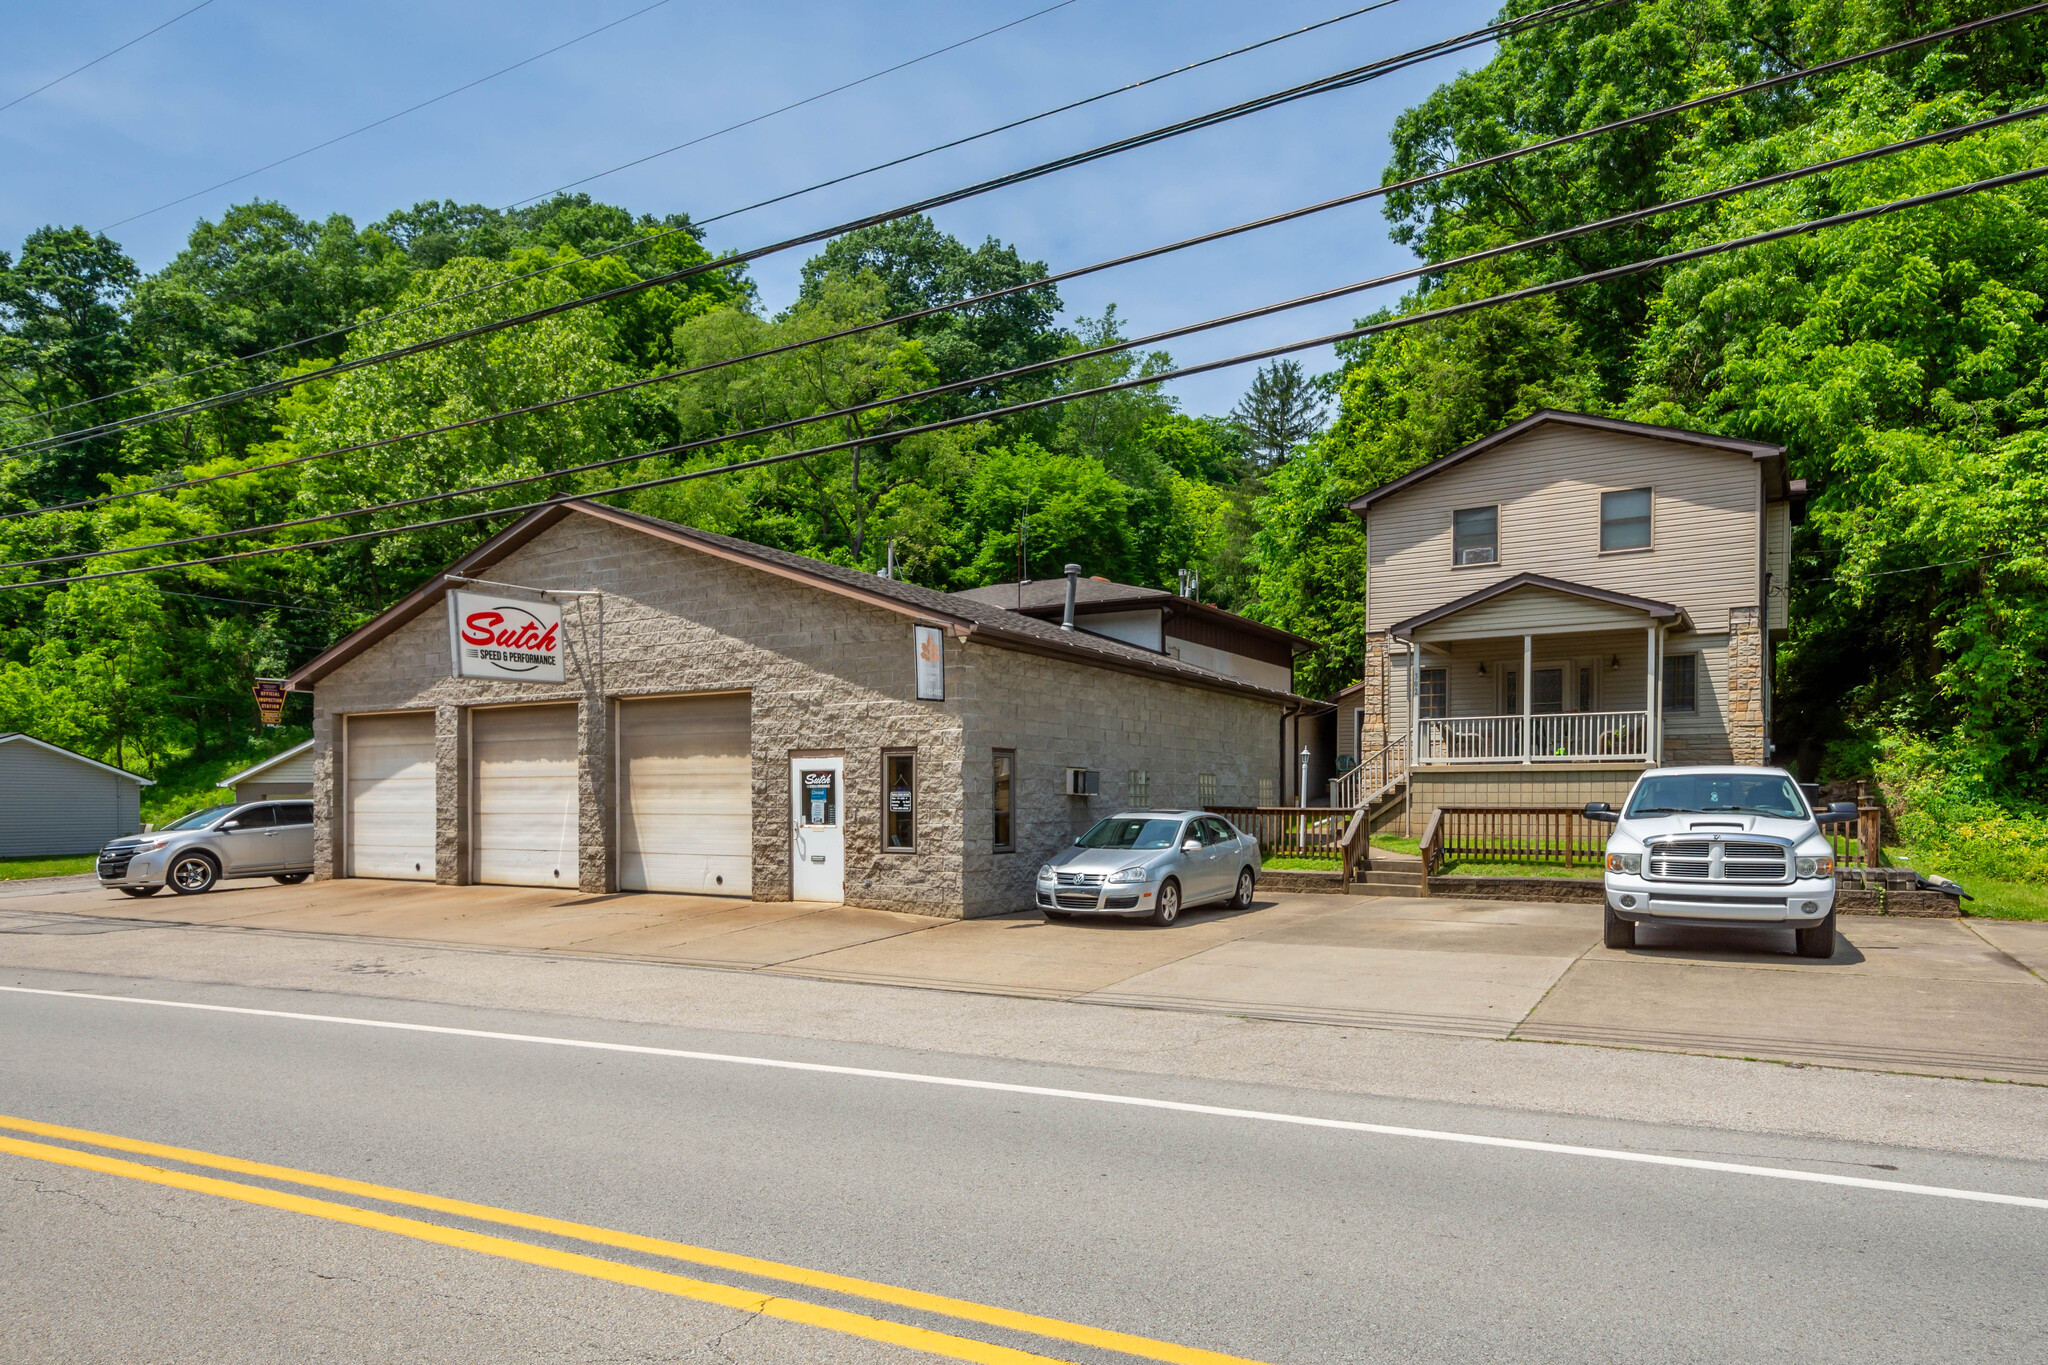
[
  {"x": 188, "y": 783},
  {"x": 15, "y": 869},
  {"x": 1394, "y": 843},
  {"x": 1994, "y": 899},
  {"x": 1288, "y": 863},
  {"x": 1457, "y": 868}
]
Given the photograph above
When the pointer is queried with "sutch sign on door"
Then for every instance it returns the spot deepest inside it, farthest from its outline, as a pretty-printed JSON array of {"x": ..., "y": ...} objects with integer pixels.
[{"x": 504, "y": 638}]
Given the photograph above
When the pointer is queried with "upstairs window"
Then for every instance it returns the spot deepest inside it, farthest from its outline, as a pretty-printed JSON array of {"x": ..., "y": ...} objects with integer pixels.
[
  {"x": 1475, "y": 535},
  {"x": 1625, "y": 520}
]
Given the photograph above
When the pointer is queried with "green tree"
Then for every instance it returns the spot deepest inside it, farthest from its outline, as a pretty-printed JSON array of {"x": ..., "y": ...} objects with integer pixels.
[{"x": 1282, "y": 408}]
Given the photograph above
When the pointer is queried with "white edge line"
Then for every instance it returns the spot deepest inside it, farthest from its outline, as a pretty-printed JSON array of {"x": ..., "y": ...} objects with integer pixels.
[{"x": 1049, "y": 1092}]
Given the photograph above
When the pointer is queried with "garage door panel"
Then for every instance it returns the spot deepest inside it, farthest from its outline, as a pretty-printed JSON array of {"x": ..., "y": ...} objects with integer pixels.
[
  {"x": 524, "y": 796},
  {"x": 686, "y": 795},
  {"x": 389, "y": 772}
]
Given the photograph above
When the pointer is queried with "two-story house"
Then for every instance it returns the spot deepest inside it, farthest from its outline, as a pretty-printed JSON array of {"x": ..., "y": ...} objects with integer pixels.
[{"x": 1559, "y": 605}]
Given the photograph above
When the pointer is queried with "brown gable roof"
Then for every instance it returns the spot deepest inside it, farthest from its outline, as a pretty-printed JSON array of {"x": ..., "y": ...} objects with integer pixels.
[
  {"x": 962, "y": 617},
  {"x": 1047, "y": 597},
  {"x": 1755, "y": 450},
  {"x": 1654, "y": 610}
]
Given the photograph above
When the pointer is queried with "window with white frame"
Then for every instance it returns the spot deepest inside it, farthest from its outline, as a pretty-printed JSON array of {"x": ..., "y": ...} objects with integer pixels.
[
  {"x": 1625, "y": 520},
  {"x": 1475, "y": 535}
]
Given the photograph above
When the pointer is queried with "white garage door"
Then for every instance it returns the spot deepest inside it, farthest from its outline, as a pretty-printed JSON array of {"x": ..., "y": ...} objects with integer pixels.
[
  {"x": 389, "y": 769},
  {"x": 686, "y": 798},
  {"x": 523, "y": 790}
]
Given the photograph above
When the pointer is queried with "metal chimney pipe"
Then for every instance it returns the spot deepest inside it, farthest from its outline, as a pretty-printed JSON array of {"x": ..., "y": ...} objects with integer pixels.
[{"x": 1073, "y": 589}]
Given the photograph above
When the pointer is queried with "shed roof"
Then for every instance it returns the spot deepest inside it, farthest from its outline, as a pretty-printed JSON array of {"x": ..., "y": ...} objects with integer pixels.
[
  {"x": 1771, "y": 456},
  {"x": 962, "y": 616},
  {"x": 266, "y": 765},
  {"x": 16, "y": 735}
]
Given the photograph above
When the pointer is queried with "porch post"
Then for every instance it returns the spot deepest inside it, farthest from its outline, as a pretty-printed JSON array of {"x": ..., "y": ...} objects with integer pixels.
[
  {"x": 1528, "y": 662},
  {"x": 1414, "y": 699},
  {"x": 1653, "y": 741}
]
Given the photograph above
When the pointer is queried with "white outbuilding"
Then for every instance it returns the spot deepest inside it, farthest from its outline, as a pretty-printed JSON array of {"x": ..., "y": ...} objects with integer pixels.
[
  {"x": 274, "y": 779},
  {"x": 55, "y": 803}
]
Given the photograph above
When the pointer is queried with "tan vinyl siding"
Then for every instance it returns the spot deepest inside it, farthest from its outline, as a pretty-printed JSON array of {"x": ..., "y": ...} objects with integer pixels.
[
  {"x": 1705, "y": 546},
  {"x": 1614, "y": 689},
  {"x": 1534, "y": 611},
  {"x": 1700, "y": 735},
  {"x": 1778, "y": 560}
]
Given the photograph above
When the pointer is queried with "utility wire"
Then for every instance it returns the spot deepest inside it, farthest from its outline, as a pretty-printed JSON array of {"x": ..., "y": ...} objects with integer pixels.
[
  {"x": 499, "y": 284},
  {"x": 1062, "y": 276},
  {"x": 1341, "y": 80},
  {"x": 1941, "y": 564},
  {"x": 379, "y": 123},
  {"x": 1135, "y": 343},
  {"x": 1164, "y": 376},
  {"x": 104, "y": 55},
  {"x": 822, "y": 94},
  {"x": 252, "y": 602}
]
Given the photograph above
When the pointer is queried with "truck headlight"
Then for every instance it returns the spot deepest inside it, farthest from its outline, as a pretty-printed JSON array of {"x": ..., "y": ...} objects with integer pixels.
[
  {"x": 1631, "y": 863},
  {"x": 1129, "y": 874},
  {"x": 1823, "y": 866}
]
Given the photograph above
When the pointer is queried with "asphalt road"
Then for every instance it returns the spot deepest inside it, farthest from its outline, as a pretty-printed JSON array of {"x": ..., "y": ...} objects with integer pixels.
[{"x": 1252, "y": 1235}]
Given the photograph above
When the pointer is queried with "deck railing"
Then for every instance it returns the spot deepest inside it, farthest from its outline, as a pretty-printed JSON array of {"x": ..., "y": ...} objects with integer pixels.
[
  {"x": 1558, "y": 835},
  {"x": 1312, "y": 831},
  {"x": 1557, "y": 738},
  {"x": 1378, "y": 771}
]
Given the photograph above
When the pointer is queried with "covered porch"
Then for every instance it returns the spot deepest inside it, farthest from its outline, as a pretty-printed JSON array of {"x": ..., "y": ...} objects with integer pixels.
[{"x": 1533, "y": 671}]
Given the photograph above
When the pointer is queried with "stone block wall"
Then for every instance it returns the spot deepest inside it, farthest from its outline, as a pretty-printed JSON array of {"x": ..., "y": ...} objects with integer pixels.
[
  {"x": 1748, "y": 741},
  {"x": 1376, "y": 728}
]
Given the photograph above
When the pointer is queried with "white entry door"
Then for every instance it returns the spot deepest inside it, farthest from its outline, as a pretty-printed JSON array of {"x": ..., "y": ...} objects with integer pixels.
[
  {"x": 523, "y": 790},
  {"x": 389, "y": 770},
  {"x": 817, "y": 837},
  {"x": 686, "y": 795}
]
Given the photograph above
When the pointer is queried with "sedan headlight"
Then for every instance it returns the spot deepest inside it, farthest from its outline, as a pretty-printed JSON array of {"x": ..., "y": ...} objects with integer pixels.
[
  {"x": 1129, "y": 874},
  {"x": 1045, "y": 873},
  {"x": 1823, "y": 866},
  {"x": 1631, "y": 863},
  {"x": 149, "y": 845}
]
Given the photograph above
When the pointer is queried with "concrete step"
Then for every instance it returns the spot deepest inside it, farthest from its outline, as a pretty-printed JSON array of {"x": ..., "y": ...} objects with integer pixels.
[{"x": 1410, "y": 880}]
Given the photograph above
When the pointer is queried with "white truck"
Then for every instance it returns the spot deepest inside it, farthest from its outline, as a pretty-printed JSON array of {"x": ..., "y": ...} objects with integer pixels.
[{"x": 1720, "y": 848}]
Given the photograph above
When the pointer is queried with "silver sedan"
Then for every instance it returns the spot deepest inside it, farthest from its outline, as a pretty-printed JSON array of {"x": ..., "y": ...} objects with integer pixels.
[{"x": 1151, "y": 865}]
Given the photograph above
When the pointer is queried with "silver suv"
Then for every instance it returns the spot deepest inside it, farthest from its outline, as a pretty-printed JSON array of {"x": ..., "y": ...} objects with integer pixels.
[
  {"x": 1722, "y": 847},
  {"x": 189, "y": 855}
]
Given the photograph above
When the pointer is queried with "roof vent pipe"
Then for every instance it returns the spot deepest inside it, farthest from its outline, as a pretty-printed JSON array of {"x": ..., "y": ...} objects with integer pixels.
[{"x": 1073, "y": 587}]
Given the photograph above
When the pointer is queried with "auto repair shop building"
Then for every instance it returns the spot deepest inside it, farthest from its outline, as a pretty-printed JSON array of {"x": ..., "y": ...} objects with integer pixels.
[{"x": 736, "y": 720}]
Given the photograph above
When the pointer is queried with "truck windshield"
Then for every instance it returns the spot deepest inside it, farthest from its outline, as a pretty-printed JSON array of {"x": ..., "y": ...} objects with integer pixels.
[
  {"x": 198, "y": 818},
  {"x": 1714, "y": 793},
  {"x": 1120, "y": 831}
]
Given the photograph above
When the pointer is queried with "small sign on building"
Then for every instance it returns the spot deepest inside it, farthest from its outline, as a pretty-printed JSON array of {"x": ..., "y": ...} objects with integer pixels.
[
  {"x": 931, "y": 663},
  {"x": 505, "y": 639},
  {"x": 270, "y": 693}
]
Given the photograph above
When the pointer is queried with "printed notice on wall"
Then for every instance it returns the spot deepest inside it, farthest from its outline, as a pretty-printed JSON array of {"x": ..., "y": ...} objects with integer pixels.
[
  {"x": 931, "y": 663},
  {"x": 506, "y": 639}
]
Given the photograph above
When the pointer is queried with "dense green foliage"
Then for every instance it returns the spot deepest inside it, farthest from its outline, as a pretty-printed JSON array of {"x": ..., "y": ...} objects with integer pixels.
[{"x": 1903, "y": 362}]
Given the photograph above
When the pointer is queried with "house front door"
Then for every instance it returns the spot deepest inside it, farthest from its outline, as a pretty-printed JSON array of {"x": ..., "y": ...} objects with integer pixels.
[{"x": 817, "y": 829}]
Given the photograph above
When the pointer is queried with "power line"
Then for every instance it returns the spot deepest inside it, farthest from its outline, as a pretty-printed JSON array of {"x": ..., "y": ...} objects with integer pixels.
[
  {"x": 252, "y": 602},
  {"x": 813, "y": 99},
  {"x": 1338, "y": 81},
  {"x": 1940, "y": 564},
  {"x": 1165, "y": 376},
  {"x": 379, "y": 123},
  {"x": 594, "y": 255},
  {"x": 104, "y": 55},
  {"x": 1003, "y": 376},
  {"x": 1355, "y": 197},
  {"x": 1001, "y": 127}
]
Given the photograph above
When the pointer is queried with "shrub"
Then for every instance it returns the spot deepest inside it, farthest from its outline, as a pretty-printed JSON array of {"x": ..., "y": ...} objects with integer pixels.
[{"x": 1946, "y": 810}]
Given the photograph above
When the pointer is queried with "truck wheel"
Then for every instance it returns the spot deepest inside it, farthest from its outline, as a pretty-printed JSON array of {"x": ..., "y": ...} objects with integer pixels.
[
  {"x": 1615, "y": 931},
  {"x": 1818, "y": 941},
  {"x": 193, "y": 874}
]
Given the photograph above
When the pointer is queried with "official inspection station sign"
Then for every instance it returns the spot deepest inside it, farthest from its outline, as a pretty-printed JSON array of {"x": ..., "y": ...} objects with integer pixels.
[{"x": 504, "y": 638}]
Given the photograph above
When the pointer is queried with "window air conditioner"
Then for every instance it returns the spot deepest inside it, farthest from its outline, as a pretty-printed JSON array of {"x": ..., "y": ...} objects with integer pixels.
[
  {"x": 1477, "y": 556},
  {"x": 1083, "y": 782}
]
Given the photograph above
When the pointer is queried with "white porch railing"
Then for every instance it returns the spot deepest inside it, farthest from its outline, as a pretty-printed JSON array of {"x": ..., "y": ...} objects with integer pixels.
[
  {"x": 1569, "y": 737},
  {"x": 1379, "y": 771}
]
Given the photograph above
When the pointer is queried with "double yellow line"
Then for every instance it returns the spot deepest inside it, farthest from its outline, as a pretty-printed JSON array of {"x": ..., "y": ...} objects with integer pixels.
[{"x": 704, "y": 1291}]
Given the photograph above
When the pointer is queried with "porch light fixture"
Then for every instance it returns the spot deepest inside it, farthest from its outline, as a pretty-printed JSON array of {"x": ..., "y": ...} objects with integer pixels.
[
  {"x": 1482, "y": 669},
  {"x": 1614, "y": 664}
]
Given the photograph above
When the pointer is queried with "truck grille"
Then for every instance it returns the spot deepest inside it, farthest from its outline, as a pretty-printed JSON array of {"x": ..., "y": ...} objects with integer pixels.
[{"x": 1694, "y": 860}]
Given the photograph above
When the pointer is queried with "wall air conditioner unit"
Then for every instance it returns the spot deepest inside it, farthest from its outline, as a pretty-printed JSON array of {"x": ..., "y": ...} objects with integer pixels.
[
  {"x": 1476, "y": 556},
  {"x": 1083, "y": 782}
]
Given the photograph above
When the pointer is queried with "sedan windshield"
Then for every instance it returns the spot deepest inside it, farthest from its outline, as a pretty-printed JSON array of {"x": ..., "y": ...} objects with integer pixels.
[
  {"x": 198, "y": 818},
  {"x": 1120, "y": 831},
  {"x": 1714, "y": 793}
]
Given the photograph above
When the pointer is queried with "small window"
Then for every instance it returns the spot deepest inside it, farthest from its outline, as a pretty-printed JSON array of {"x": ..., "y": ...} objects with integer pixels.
[
  {"x": 1004, "y": 794},
  {"x": 1475, "y": 535},
  {"x": 1585, "y": 688},
  {"x": 1205, "y": 788},
  {"x": 1265, "y": 791},
  {"x": 1625, "y": 520},
  {"x": 1436, "y": 693},
  {"x": 1138, "y": 790},
  {"x": 299, "y": 814},
  {"x": 899, "y": 798},
  {"x": 1681, "y": 682},
  {"x": 1510, "y": 691}
]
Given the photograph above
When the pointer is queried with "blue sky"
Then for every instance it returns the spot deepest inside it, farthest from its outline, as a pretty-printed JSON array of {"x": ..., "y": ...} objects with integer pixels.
[{"x": 243, "y": 82}]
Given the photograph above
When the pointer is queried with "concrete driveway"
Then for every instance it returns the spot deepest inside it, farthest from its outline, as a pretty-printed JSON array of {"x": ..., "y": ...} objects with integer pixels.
[{"x": 1940, "y": 997}]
